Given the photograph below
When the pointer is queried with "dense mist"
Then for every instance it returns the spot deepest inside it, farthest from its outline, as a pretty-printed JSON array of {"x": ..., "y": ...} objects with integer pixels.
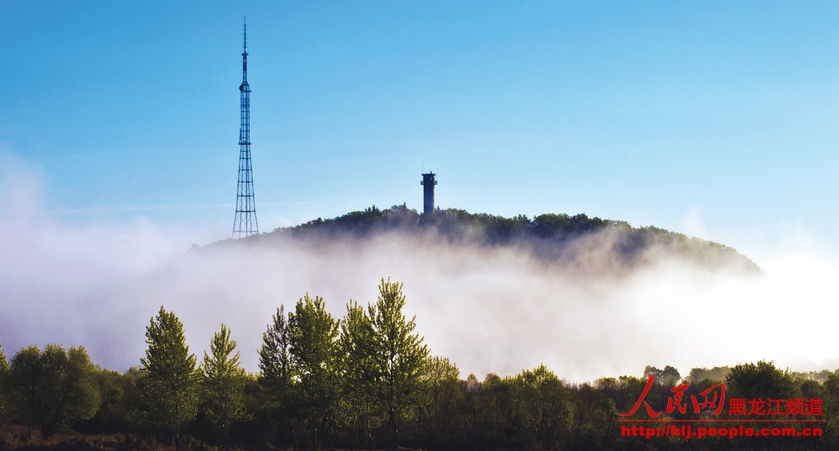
[{"x": 488, "y": 308}]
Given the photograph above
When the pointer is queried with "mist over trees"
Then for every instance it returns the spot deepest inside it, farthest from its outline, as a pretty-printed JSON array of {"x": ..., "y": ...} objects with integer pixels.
[
  {"x": 365, "y": 381},
  {"x": 560, "y": 239}
]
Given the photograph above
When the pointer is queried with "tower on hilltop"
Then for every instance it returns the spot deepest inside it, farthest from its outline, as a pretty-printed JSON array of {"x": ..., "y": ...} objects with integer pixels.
[
  {"x": 245, "y": 223},
  {"x": 428, "y": 182}
]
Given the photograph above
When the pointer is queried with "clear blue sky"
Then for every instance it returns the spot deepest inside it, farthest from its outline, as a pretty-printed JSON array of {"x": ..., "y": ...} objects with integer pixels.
[{"x": 722, "y": 114}]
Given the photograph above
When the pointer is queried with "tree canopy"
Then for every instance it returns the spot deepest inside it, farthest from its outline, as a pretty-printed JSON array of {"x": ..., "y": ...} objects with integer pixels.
[
  {"x": 399, "y": 357},
  {"x": 169, "y": 378},
  {"x": 549, "y": 237},
  {"x": 52, "y": 388},
  {"x": 223, "y": 383}
]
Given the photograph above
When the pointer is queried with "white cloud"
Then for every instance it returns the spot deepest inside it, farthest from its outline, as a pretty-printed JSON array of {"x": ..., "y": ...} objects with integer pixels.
[{"x": 486, "y": 309}]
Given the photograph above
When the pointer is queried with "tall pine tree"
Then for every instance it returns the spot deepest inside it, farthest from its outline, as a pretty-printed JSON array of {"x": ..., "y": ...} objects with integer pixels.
[
  {"x": 169, "y": 379},
  {"x": 358, "y": 371},
  {"x": 313, "y": 341},
  {"x": 276, "y": 376},
  {"x": 223, "y": 383},
  {"x": 399, "y": 357}
]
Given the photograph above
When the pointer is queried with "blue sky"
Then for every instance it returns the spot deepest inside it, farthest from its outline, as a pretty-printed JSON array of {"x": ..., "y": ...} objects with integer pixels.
[{"x": 712, "y": 118}]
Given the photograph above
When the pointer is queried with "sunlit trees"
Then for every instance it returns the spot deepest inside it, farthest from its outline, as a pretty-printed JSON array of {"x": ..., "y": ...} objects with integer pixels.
[
  {"x": 223, "y": 383},
  {"x": 398, "y": 357},
  {"x": 323, "y": 379},
  {"x": 542, "y": 407},
  {"x": 383, "y": 363},
  {"x": 444, "y": 401},
  {"x": 169, "y": 379},
  {"x": 276, "y": 376},
  {"x": 53, "y": 387},
  {"x": 313, "y": 347},
  {"x": 358, "y": 372}
]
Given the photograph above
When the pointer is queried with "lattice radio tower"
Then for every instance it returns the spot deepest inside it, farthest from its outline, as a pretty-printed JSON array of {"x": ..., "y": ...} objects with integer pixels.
[{"x": 245, "y": 223}]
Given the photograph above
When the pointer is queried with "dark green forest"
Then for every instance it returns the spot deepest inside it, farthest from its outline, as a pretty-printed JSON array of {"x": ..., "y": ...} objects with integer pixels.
[
  {"x": 557, "y": 239},
  {"x": 364, "y": 381}
]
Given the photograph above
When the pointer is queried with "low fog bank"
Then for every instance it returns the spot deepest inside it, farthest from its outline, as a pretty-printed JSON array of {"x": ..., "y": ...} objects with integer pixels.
[
  {"x": 488, "y": 308},
  {"x": 497, "y": 309},
  {"x": 589, "y": 246}
]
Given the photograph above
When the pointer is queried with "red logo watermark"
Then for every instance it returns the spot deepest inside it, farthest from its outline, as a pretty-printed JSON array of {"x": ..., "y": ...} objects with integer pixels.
[{"x": 711, "y": 401}]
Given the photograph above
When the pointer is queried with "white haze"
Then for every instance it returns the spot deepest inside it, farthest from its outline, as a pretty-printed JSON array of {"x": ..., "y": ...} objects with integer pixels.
[{"x": 488, "y": 310}]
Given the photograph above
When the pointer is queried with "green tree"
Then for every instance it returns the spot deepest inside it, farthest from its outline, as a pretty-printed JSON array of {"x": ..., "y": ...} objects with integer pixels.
[
  {"x": 830, "y": 393},
  {"x": 399, "y": 357},
  {"x": 668, "y": 377},
  {"x": 358, "y": 372},
  {"x": 313, "y": 348},
  {"x": 715, "y": 374},
  {"x": 223, "y": 383},
  {"x": 445, "y": 401},
  {"x": 115, "y": 412},
  {"x": 52, "y": 388},
  {"x": 761, "y": 380},
  {"x": 542, "y": 407},
  {"x": 169, "y": 378},
  {"x": 276, "y": 377}
]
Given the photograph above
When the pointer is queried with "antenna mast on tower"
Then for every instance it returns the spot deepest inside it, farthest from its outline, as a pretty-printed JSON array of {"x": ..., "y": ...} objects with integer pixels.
[{"x": 245, "y": 223}]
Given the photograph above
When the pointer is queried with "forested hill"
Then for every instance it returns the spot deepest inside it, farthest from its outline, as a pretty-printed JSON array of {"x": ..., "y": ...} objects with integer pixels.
[{"x": 574, "y": 241}]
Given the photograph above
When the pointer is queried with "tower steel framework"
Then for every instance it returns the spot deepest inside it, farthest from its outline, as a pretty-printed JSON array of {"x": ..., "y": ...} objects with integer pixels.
[{"x": 245, "y": 223}]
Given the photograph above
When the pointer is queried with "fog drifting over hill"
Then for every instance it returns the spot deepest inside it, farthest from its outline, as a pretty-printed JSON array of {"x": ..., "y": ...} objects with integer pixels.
[{"x": 489, "y": 309}]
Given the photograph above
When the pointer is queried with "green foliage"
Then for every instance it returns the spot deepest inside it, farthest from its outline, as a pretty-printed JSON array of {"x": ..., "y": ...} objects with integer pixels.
[
  {"x": 595, "y": 414},
  {"x": 546, "y": 236},
  {"x": 223, "y": 383},
  {"x": 542, "y": 408},
  {"x": 818, "y": 376},
  {"x": 489, "y": 409},
  {"x": 275, "y": 355},
  {"x": 170, "y": 381},
  {"x": 383, "y": 362},
  {"x": 715, "y": 374},
  {"x": 368, "y": 372},
  {"x": 276, "y": 370},
  {"x": 398, "y": 357},
  {"x": 445, "y": 399},
  {"x": 761, "y": 380},
  {"x": 52, "y": 388},
  {"x": 313, "y": 347},
  {"x": 116, "y": 411},
  {"x": 830, "y": 393},
  {"x": 668, "y": 377},
  {"x": 358, "y": 371}
]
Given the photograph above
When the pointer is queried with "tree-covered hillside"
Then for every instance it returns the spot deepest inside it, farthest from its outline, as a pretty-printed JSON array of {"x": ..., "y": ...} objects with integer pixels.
[{"x": 575, "y": 241}]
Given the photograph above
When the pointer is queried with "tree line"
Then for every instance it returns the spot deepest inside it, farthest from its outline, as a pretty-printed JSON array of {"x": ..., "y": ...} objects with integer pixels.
[
  {"x": 547, "y": 237},
  {"x": 364, "y": 381}
]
